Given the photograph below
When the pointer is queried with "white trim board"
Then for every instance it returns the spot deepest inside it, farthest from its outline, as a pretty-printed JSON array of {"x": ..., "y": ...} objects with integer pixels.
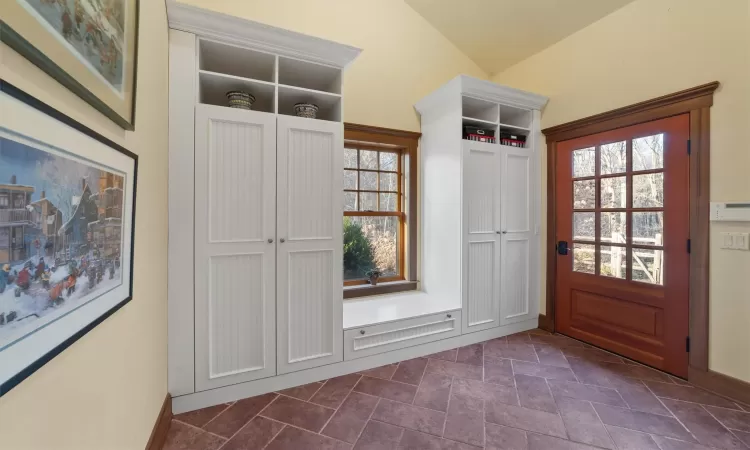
[
  {"x": 226, "y": 394},
  {"x": 247, "y": 33}
]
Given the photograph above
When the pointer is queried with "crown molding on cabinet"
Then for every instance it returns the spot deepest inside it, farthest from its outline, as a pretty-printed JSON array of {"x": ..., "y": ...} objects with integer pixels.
[
  {"x": 247, "y": 33},
  {"x": 483, "y": 89}
]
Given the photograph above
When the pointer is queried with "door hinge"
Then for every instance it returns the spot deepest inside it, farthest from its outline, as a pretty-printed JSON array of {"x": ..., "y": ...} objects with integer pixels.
[
  {"x": 688, "y": 245},
  {"x": 688, "y": 146},
  {"x": 687, "y": 344}
]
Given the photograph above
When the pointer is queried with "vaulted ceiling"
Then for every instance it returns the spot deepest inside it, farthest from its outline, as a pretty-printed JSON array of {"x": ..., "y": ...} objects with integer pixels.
[{"x": 499, "y": 33}]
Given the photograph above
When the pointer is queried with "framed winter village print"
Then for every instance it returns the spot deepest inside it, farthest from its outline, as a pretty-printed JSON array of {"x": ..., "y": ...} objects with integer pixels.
[
  {"x": 89, "y": 46},
  {"x": 67, "y": 210}
]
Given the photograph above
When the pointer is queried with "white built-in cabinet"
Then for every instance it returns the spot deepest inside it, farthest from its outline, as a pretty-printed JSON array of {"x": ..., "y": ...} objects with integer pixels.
[
  {"x": 484, "y": 197},
  {"x": 267, "y": 242},
  {"x": 256, "y": 204}
]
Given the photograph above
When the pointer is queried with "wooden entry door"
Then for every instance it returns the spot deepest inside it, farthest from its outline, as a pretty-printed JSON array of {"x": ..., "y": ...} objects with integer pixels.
[{"x": 622, "y": 225}]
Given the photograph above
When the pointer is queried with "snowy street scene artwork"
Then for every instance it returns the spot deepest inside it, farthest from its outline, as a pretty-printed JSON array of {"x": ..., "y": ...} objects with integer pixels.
[
  {"x": 61, "y": 236},
  {"x": 93, "y": 30}
]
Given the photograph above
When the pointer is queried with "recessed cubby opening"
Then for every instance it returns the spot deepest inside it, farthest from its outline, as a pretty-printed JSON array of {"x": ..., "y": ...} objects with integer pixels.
[
  {"x": 213, "y": 88},
  {"x": 293, "y": 72},
  {"x": 515, "y": 117},
  {"x": 479, "y": 109},
  {"x": 329, "y": 104},
  {"x": 237, "y": 61}
]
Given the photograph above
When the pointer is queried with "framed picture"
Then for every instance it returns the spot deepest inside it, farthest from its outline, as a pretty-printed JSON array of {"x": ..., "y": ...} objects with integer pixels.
[
  {"x": 89, "y": 46},
  {"x": 67, "y": 212}
]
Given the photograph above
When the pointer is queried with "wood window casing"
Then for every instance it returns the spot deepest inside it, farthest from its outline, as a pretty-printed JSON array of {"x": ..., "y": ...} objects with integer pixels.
[{"x": 404, "y": 144}]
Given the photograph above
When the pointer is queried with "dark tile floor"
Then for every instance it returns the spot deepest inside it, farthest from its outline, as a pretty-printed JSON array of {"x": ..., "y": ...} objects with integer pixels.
[{"x": 528, "y": 391}]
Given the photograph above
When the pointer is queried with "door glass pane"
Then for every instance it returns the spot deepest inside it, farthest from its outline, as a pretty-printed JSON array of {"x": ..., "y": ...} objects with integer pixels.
[
  {"x": 613, "y": 192},
  {"x": 350, "y": 179},
  {"x": 613, "y": 227},
  {"x": 584, "y": 194},
  {"x": 368, "y": 181},
  {"x": 350, "y": 158},
  {"x": 648, "y": 228},
  {"x": 584, "y": 162},
  {"x": 648, "y": 152},
  {"x": 388, "y": 182},
  {"x": 350, "y": 201},
  {"x": 368, "y": 159},
  {"x": 613, "y": 261},
  {"x": 583, "y": 226},
  {"x": 613, "y": 158},
  {"x": 369, "y": 201},
  {"x": 388, "y": 202},
  {"x": 583, "y": 258},
  {"x": 648, "y": 190},
  {"x": 388, "y": 161},
  {"x": 648, "y": 265}
]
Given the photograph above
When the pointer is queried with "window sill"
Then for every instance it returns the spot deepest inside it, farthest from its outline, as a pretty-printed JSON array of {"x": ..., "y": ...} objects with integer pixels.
[{"x": 365, "y": 290}]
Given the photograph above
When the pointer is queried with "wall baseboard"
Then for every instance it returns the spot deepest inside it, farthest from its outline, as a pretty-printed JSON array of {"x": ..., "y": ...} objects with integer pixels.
[
  {"x": 718, "y": 383},
  {"x": 161, "y": 427},
  {"x": 546, "y": 324}
]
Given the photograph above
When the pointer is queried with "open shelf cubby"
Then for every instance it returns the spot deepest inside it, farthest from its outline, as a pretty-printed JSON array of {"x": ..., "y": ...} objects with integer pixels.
[
  {"x": 213, "y": 88},
  {"x": 237, "y": 61},
  {"x": 329, "y": 104},
  {"x": 303, "y": 74},
  {"x": 512, "y": 117},
  {"x": 473, "y": 108}
]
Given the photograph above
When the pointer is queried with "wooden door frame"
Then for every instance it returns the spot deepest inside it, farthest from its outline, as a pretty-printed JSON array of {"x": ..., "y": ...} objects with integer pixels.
[{"x": 696, "y": 102}]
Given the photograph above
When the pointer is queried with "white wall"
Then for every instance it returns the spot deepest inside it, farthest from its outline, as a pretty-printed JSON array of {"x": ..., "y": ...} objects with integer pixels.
[
  {"x": 106, "y": 390},
  {"x": 651, "y": 48}
]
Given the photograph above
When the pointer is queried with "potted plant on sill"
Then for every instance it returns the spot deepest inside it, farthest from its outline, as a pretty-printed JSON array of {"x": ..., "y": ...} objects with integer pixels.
[{"x": 373, "y": 276}]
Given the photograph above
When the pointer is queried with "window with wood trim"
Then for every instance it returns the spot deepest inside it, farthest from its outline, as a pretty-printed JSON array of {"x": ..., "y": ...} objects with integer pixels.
[
  {"x": 379, "y": 204},
  {"x": 373, "y": 214}
]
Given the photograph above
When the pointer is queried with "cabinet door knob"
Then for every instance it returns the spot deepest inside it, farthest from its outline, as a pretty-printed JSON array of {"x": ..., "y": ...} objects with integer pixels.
[
  {"x": 449, "y": 316},
  {"x": 270, "y": 241},
  {"x": 282, "y": 240},
  {"x": 361, "y": 331}
]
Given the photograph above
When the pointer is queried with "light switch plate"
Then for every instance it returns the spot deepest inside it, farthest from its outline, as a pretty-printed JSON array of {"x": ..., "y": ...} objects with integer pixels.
[
  {"x": 741, "y": 241},
  {"x": 727, "y": 240}
]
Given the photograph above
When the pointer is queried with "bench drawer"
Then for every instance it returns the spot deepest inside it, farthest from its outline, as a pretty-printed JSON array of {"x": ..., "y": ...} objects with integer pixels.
[{"x": 385, "y": 337}]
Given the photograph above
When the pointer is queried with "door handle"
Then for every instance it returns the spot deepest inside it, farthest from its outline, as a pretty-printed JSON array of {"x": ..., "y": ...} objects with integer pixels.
[{"x": 562, "y": 247}]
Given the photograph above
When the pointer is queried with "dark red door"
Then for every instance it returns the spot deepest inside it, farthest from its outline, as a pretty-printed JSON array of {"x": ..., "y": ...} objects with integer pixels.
[{"x": 622, "y": 223}]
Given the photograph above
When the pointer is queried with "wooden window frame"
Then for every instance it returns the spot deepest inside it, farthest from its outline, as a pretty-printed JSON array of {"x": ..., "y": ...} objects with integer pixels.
[
  {"x": 697, "y": 103},
  {"x": 366, "y": 137}
]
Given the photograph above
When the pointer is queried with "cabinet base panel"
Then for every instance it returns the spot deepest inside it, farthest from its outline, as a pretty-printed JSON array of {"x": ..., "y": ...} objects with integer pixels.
[{"x": 190, "y": 402}]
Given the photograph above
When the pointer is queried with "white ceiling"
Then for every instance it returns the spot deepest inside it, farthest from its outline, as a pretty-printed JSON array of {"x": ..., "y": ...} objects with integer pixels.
[{"x": 499, "y": 33}]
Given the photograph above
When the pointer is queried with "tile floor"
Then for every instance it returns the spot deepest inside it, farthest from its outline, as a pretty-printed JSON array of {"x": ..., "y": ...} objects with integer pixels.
[{"x": 528, "y": 391}]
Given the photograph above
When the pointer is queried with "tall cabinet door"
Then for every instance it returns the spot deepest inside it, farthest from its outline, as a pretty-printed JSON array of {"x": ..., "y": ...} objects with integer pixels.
[
  {"x": 310, "y": 222},
  {"x": 481, "y": 236},
  {"x": 516, "y": 235},
  {"x": 235, "y": 249}
]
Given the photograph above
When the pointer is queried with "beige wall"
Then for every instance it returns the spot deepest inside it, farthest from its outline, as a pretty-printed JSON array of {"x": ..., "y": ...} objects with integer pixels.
[
  {"x": 651, "y": 48},
  {"x": 105, "y": 391},
  {"x": 404, "y": 58}
]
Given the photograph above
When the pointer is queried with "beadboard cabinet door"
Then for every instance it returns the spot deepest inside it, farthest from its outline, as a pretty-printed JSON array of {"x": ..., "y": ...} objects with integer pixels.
[
  {"x": 235, "y": 248},
  {"x": 517, "y": 232},
  {"x": 310, "y": 226},
  {"x": 481, "y": 236}
]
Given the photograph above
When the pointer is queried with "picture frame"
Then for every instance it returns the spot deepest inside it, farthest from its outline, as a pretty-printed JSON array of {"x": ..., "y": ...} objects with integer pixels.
[
  {"x": 67, "y": 223},
  {"x": 88, "y": 46}
]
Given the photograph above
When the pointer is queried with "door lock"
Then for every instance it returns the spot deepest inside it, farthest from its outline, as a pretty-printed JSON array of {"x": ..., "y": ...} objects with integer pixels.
[{"x": 562, "y": 247}]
